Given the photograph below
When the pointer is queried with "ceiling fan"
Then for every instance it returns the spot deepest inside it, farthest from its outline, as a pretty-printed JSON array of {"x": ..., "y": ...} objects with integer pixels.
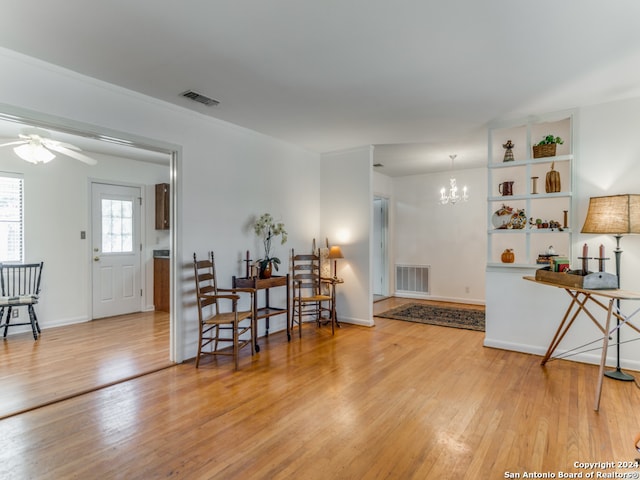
[{"x": 37, "y": 146}]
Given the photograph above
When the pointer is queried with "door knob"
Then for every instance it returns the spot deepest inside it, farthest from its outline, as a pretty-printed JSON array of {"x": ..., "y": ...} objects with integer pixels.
[{"x": 96, "y": 259}]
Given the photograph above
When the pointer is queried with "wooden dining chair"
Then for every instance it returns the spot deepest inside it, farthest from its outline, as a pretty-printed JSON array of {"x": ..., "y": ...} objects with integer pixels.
[
  {"x": 309, "y": 300},
  {"x": 20, "y": 284},
  {"x": 217, "y": 327}
]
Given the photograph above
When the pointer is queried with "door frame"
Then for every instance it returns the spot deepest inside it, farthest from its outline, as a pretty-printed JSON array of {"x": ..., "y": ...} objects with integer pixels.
[
  {"x": 34, "y": 118},
  {"x": 381, "y": 254}
]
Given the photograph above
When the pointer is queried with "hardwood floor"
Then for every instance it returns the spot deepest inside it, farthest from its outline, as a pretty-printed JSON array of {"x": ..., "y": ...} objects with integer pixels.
[
  {"x": 399, "y": 401},
  {"x": 66, "y": 361}
]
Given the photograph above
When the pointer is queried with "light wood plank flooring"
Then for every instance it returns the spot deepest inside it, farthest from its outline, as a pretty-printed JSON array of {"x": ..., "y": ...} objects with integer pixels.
[
  {"x": 399, "y": 401},
  {"x": 69, "y": 360}
]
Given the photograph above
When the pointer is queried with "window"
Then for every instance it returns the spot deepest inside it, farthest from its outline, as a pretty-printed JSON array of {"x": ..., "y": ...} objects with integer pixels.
[
  {"x": 11, "y": 217},
  {"x": 117, "y": 226}
]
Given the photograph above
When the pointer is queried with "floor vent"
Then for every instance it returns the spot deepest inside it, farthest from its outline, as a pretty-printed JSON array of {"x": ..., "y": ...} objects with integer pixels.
[{"x": 412, "y": 278}]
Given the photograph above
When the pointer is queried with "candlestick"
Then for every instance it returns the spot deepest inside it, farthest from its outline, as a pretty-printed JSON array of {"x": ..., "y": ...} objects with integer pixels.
[{"x": 247, "y": 264}]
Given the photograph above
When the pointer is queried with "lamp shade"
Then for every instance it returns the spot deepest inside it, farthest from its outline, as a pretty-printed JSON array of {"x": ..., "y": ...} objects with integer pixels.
[
  {"x": 614, "y": 214},
  {"x": 335, "y": 252}
]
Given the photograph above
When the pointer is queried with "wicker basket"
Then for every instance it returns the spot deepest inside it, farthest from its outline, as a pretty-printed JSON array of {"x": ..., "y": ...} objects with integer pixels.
[{"x": 547, "y": 150}]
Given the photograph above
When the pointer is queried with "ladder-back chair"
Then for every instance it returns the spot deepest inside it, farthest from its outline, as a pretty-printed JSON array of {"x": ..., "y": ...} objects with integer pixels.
[
  {"x": 308, "y": 297},
  {"x": 20, "y": 288},
  {"x": 213, "y": 322}
]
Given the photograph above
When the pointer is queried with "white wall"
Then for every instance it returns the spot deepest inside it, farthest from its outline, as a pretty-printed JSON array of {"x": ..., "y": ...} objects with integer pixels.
[
  {"x": 346, "y": 218},
  {"x": 451, "y": 239},
  {"x": 225, "y": 174},
  {"x": 523, "y": 316}
]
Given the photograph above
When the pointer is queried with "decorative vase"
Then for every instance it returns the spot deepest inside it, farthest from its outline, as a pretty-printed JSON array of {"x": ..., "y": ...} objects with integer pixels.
[
  {"x": 266, "y": 271},
  {"x": 508, "y": 154},
  {"x": 507, "y": 256}
]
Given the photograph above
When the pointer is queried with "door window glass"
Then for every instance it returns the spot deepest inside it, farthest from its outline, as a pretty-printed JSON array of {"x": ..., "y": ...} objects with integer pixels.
[{"x": 117, "y": 226}]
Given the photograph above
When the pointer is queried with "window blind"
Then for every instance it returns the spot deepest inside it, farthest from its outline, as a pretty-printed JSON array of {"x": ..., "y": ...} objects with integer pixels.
[{"x": 11, "y": 217}]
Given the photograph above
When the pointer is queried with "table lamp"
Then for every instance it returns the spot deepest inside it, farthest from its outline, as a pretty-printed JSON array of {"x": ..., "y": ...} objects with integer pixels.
[
  {"x": 334, "y": 254},
  {"x": 615, "y": 215}
]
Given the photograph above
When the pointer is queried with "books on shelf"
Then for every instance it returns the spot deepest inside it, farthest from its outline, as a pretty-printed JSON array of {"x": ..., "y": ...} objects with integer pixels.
[{"x": 557, "y": 263}]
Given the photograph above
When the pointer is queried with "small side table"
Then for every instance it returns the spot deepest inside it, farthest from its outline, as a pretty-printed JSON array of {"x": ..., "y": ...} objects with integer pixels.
[
  {"x": 333, "y": 281},
  {"x": 267, "y": 311}
]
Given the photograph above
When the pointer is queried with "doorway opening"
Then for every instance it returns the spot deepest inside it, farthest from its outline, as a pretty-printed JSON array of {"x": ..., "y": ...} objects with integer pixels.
[
  {"x": 380, "y": 248},
  {"x": 114, "y": 149}
]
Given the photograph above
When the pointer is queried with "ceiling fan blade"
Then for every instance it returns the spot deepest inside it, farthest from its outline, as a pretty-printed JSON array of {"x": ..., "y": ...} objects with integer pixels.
[
  {"x": 17, "y": 142},
  {"x": 54, "y": 143},
  {"x": 73, "y": 154}
]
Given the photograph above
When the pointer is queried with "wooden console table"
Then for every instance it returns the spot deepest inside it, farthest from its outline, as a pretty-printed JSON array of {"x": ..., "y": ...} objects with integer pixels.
[
  {"x": 267, "y": 311},
  {"x": 579, "y": 299}
]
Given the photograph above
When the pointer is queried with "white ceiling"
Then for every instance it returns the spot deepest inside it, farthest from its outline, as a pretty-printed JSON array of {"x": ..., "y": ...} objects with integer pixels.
[{"x": 418, "y": 79}]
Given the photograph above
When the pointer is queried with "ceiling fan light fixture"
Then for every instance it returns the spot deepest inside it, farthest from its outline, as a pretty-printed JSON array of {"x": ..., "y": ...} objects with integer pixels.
[{"x": 34, "y": 153}]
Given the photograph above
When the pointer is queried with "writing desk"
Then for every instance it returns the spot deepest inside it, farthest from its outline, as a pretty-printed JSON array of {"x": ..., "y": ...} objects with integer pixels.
[{"x": 579, "y": 298}]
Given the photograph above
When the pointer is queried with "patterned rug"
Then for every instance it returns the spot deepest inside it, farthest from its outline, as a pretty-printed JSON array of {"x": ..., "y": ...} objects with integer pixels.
[{"x": 436, "y": 315}]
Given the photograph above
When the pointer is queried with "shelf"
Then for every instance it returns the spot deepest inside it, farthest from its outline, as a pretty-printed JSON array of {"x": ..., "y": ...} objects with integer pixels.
[
  {"x": 531, "y": 161},
  {"x": 515, "y": 265},
  {"x": 539, "y": 231},
  {"x": 535, "y": 196}
]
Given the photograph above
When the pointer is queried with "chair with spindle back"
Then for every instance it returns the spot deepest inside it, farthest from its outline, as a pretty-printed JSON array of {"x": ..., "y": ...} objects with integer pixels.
[
  {"x": 20, "y": 288},
  {"x": 212, "y": 321},
  {"x": 309, "y": 299}
]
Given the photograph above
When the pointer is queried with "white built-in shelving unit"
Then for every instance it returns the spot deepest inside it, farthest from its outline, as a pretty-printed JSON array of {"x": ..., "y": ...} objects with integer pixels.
[{"x": 527, "y": 243}]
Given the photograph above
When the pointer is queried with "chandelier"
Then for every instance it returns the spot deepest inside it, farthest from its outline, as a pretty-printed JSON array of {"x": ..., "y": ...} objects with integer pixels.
[{"x": 453, "y": 197}]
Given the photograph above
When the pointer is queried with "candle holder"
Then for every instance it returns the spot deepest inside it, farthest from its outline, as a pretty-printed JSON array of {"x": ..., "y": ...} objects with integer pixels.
[
  {"x": 585, "y": 265},
  {"x": 601, "y": 261}
]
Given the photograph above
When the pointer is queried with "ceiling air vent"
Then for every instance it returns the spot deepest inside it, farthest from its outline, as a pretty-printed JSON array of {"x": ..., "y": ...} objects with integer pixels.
[{"x": 196, "y": 97}]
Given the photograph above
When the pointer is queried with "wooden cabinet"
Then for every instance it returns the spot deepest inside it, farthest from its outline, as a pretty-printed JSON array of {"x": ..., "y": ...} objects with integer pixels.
[
  {"x": 525, "y": 177},
  {"x": 162, "y": 206},
  {"x": 161, "y": 292}
]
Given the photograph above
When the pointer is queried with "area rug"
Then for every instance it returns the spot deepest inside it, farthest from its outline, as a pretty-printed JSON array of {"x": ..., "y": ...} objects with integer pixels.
[{"x": 437, "y": 315}]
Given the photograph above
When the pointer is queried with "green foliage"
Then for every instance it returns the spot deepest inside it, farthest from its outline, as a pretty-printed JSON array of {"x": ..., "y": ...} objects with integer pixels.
[
  {"x": 551, "y": 139},
  {"x": 267, "y": 228}
]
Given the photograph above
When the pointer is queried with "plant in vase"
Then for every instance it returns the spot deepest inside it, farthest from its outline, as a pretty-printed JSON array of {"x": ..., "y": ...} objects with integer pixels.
[{"x": 267, "y": 229}]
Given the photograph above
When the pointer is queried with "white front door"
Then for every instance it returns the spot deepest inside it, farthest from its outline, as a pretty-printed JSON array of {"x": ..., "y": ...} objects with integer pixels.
[{"x": 116, "y": 257}]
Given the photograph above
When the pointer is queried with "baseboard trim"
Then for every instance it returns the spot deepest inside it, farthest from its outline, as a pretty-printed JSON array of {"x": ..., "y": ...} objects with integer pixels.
[{"x": 590, "y": 358}]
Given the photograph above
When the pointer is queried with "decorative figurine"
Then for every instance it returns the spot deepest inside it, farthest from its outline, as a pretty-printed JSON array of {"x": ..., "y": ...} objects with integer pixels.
[{"x": 508, "y": 154}]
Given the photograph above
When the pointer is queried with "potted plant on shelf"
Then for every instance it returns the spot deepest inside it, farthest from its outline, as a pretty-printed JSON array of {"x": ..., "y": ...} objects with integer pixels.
[
  {"x": 547, "y": 147},
  {"x": 266, "y": 228}
]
